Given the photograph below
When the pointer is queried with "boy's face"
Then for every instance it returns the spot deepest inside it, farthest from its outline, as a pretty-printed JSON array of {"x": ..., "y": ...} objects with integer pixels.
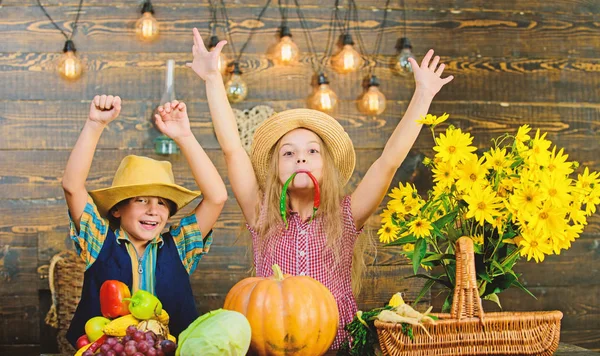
[
  {"x": 143, "y": 218},
  {"x": 300, "y": 149}
]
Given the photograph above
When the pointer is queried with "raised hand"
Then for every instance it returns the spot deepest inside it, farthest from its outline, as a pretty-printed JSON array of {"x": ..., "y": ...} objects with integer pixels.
[
  {"x": 172, "y": 120},
  {"x": 428, "y": 76},
  {"x": 105, "y": 108},
  {"x": 205, "y": 62}
]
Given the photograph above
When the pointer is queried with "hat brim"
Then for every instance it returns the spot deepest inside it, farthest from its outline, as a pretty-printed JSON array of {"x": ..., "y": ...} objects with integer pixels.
[
  {"x": 106, "y": 198},
  {"x": 326, "y": 127}
]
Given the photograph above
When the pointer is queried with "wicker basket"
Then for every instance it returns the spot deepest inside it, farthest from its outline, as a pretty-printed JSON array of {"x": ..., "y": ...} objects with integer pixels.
[
  {"x": 65, "y": 277},
  {"x": 468, "y": 331}
]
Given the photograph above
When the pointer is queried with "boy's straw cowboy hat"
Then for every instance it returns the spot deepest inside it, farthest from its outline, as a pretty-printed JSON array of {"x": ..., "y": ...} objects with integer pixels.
[{"x": 142, "y": 176}]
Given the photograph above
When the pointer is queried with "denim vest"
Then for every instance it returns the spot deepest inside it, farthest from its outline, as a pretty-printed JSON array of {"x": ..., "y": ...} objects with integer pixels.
[{"x": 172, "y": 286}]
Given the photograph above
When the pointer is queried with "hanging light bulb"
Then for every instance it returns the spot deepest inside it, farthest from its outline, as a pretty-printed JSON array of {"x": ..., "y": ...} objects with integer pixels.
[
  {"x": 348, "y": 59},
  {"x": 323, "y": 99},
  {"x": 236, "y": 88},
  {"x": 146, "y": 26},
  {"x": 373, "y": 101},
  {"x": 69, "y": 66},
  {"x": 222, "y": 62},
  {"x": 405, "y": 48},
  {"x": 286, "y": 51}
]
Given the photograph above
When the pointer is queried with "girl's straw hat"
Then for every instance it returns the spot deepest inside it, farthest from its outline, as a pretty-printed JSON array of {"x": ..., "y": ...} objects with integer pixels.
[
  {"x": 142, "y": 176},
  {"x": 326, "y": 127}
]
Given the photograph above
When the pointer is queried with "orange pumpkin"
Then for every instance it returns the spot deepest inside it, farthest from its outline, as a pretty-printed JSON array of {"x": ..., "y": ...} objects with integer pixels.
[{"x": 289, "y": 315}]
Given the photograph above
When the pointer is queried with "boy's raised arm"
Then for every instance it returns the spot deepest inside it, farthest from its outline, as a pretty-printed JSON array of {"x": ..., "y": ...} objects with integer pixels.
[
  {"x": 173, "y": 121},
  {"x": 239, "y": 167},
  {"x": 103, "y": 110}
]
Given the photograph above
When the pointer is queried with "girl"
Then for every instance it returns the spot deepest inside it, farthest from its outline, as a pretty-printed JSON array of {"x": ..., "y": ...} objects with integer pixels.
[{"x": 302, "y": 140}]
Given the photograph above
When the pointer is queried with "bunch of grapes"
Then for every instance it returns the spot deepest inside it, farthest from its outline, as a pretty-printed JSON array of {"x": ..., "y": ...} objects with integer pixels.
[{"x": 136, "y": 343}]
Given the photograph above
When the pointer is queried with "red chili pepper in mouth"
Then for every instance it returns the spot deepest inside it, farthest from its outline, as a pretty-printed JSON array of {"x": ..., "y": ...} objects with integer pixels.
[{"x": 283, "y": 199}]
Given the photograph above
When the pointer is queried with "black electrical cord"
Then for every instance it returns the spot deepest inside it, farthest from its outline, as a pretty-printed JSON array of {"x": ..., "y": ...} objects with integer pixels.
[
  {"x": 55, "y": 25},
  {"x": 262, "y": 12}
]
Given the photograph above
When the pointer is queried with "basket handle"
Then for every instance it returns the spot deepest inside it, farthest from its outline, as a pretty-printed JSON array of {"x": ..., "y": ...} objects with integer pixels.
[{"x": 466, "y": 302}]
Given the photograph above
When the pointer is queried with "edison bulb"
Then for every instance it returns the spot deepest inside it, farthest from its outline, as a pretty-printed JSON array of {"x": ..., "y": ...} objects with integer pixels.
[
  {"x": 286, "y": 51},
  {"x": 347, "y": 60},
  {"x": 69, "y": 66},
  {"x": 372, "y": 102},
  {"x": 146, "y": 27},
  {"x": 236, "y": 87},
  {"x": 402, "y": 63},
  {"x": 324, "y": 99}
]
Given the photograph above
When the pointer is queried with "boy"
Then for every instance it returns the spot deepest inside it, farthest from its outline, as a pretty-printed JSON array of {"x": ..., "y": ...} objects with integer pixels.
[{"x": 118, "y": 230}]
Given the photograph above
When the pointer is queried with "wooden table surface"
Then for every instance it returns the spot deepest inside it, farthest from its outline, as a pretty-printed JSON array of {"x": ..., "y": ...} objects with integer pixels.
[{"x": 563, "y": 350}]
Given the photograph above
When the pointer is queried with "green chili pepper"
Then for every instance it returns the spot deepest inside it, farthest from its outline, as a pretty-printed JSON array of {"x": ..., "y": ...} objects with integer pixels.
[{"x": 283, "y": 199}]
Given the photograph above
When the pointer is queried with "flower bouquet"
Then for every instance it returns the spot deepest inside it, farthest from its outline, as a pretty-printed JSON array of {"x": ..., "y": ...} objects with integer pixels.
[{"x": 517, "y": 199}]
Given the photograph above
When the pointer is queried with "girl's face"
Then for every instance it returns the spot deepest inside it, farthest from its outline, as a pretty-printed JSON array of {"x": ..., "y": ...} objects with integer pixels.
[
  {"x": 143, "y": 218},
  {"x": 300, "y": 149}
]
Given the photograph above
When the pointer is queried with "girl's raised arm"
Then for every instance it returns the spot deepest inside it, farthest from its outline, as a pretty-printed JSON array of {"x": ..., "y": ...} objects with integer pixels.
[
  {"x": 239, "y": 167},
  {"x": 371, "y": 190}
]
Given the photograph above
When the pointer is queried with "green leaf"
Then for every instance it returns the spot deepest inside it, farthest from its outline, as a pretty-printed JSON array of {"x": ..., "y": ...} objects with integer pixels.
[
  {"x": 494, "y": 298},
  {"x": 500, "y": 284},
  {"x": 433, "y": 278},
  {"x": 404, "y": 240},
  {"x": 444, "y": 220},
  {"x": 482, "y": 288},
  {"x": 438, "y": 257},
  {"x": 447, "y": 303},
  {"x": 522, "y": 287},
  {"x": 424, "y": 290},
  {"x": 498, "y": 266},
  {"x": 419, "y": 253}
]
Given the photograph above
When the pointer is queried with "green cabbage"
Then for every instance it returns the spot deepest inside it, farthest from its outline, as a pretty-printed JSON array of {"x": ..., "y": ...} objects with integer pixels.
[{"x": 219, "y": 333}]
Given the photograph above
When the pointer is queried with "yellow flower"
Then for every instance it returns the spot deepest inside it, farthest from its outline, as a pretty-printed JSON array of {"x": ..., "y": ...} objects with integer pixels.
[
  {"x": 576, "y": 214},
  {"x": 483, "y": 205},
  {"x": 438, "y": 190},
  {"x": 555, "y": 189},
  {"x": 588, "y": 181},
  {"x": 387, "y": 233},
  {"x": 471, "y": 173},
  {"x": 539, "y": 154},
  {"x": 408, "y": 247},
  {"x": 444, "y": 174},
  {"x": 454, "y": 146},
  {"x": 408, "y": 191},
  {"x": 526, "y": 199},
  {"x": 477, "y": 239},
  {"x": 498, "y": 222},
  {"x": 558, "y": 163},
  {"x": 522, "y": 134},
  {"x": 535, "y": 246},
  {"x": 497, "y": 160},
  {"x": 427, "y": 161},
  {"x": 572, "y": 232},
  {"x": 420, "y": 227},
  {"x": 432, "y": 120},
  {"x": 386, "y": 216},
  {"x": 549, "y": 220}
]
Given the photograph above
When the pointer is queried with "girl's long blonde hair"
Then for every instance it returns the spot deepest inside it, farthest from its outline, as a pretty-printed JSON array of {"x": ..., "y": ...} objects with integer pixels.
[{"x": 332, "y": 192}]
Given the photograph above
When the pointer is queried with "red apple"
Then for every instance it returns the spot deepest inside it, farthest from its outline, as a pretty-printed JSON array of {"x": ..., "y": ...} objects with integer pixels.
[{"x": 82, "y": 341}]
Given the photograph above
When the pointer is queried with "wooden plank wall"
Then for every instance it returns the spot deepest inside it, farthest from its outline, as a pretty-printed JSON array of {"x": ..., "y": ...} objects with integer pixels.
[{"x": 515, "y": 62}]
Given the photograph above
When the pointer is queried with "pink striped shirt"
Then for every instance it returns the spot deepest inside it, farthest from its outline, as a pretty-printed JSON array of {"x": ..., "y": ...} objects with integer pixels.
[{"x": 302, "y": 250}]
